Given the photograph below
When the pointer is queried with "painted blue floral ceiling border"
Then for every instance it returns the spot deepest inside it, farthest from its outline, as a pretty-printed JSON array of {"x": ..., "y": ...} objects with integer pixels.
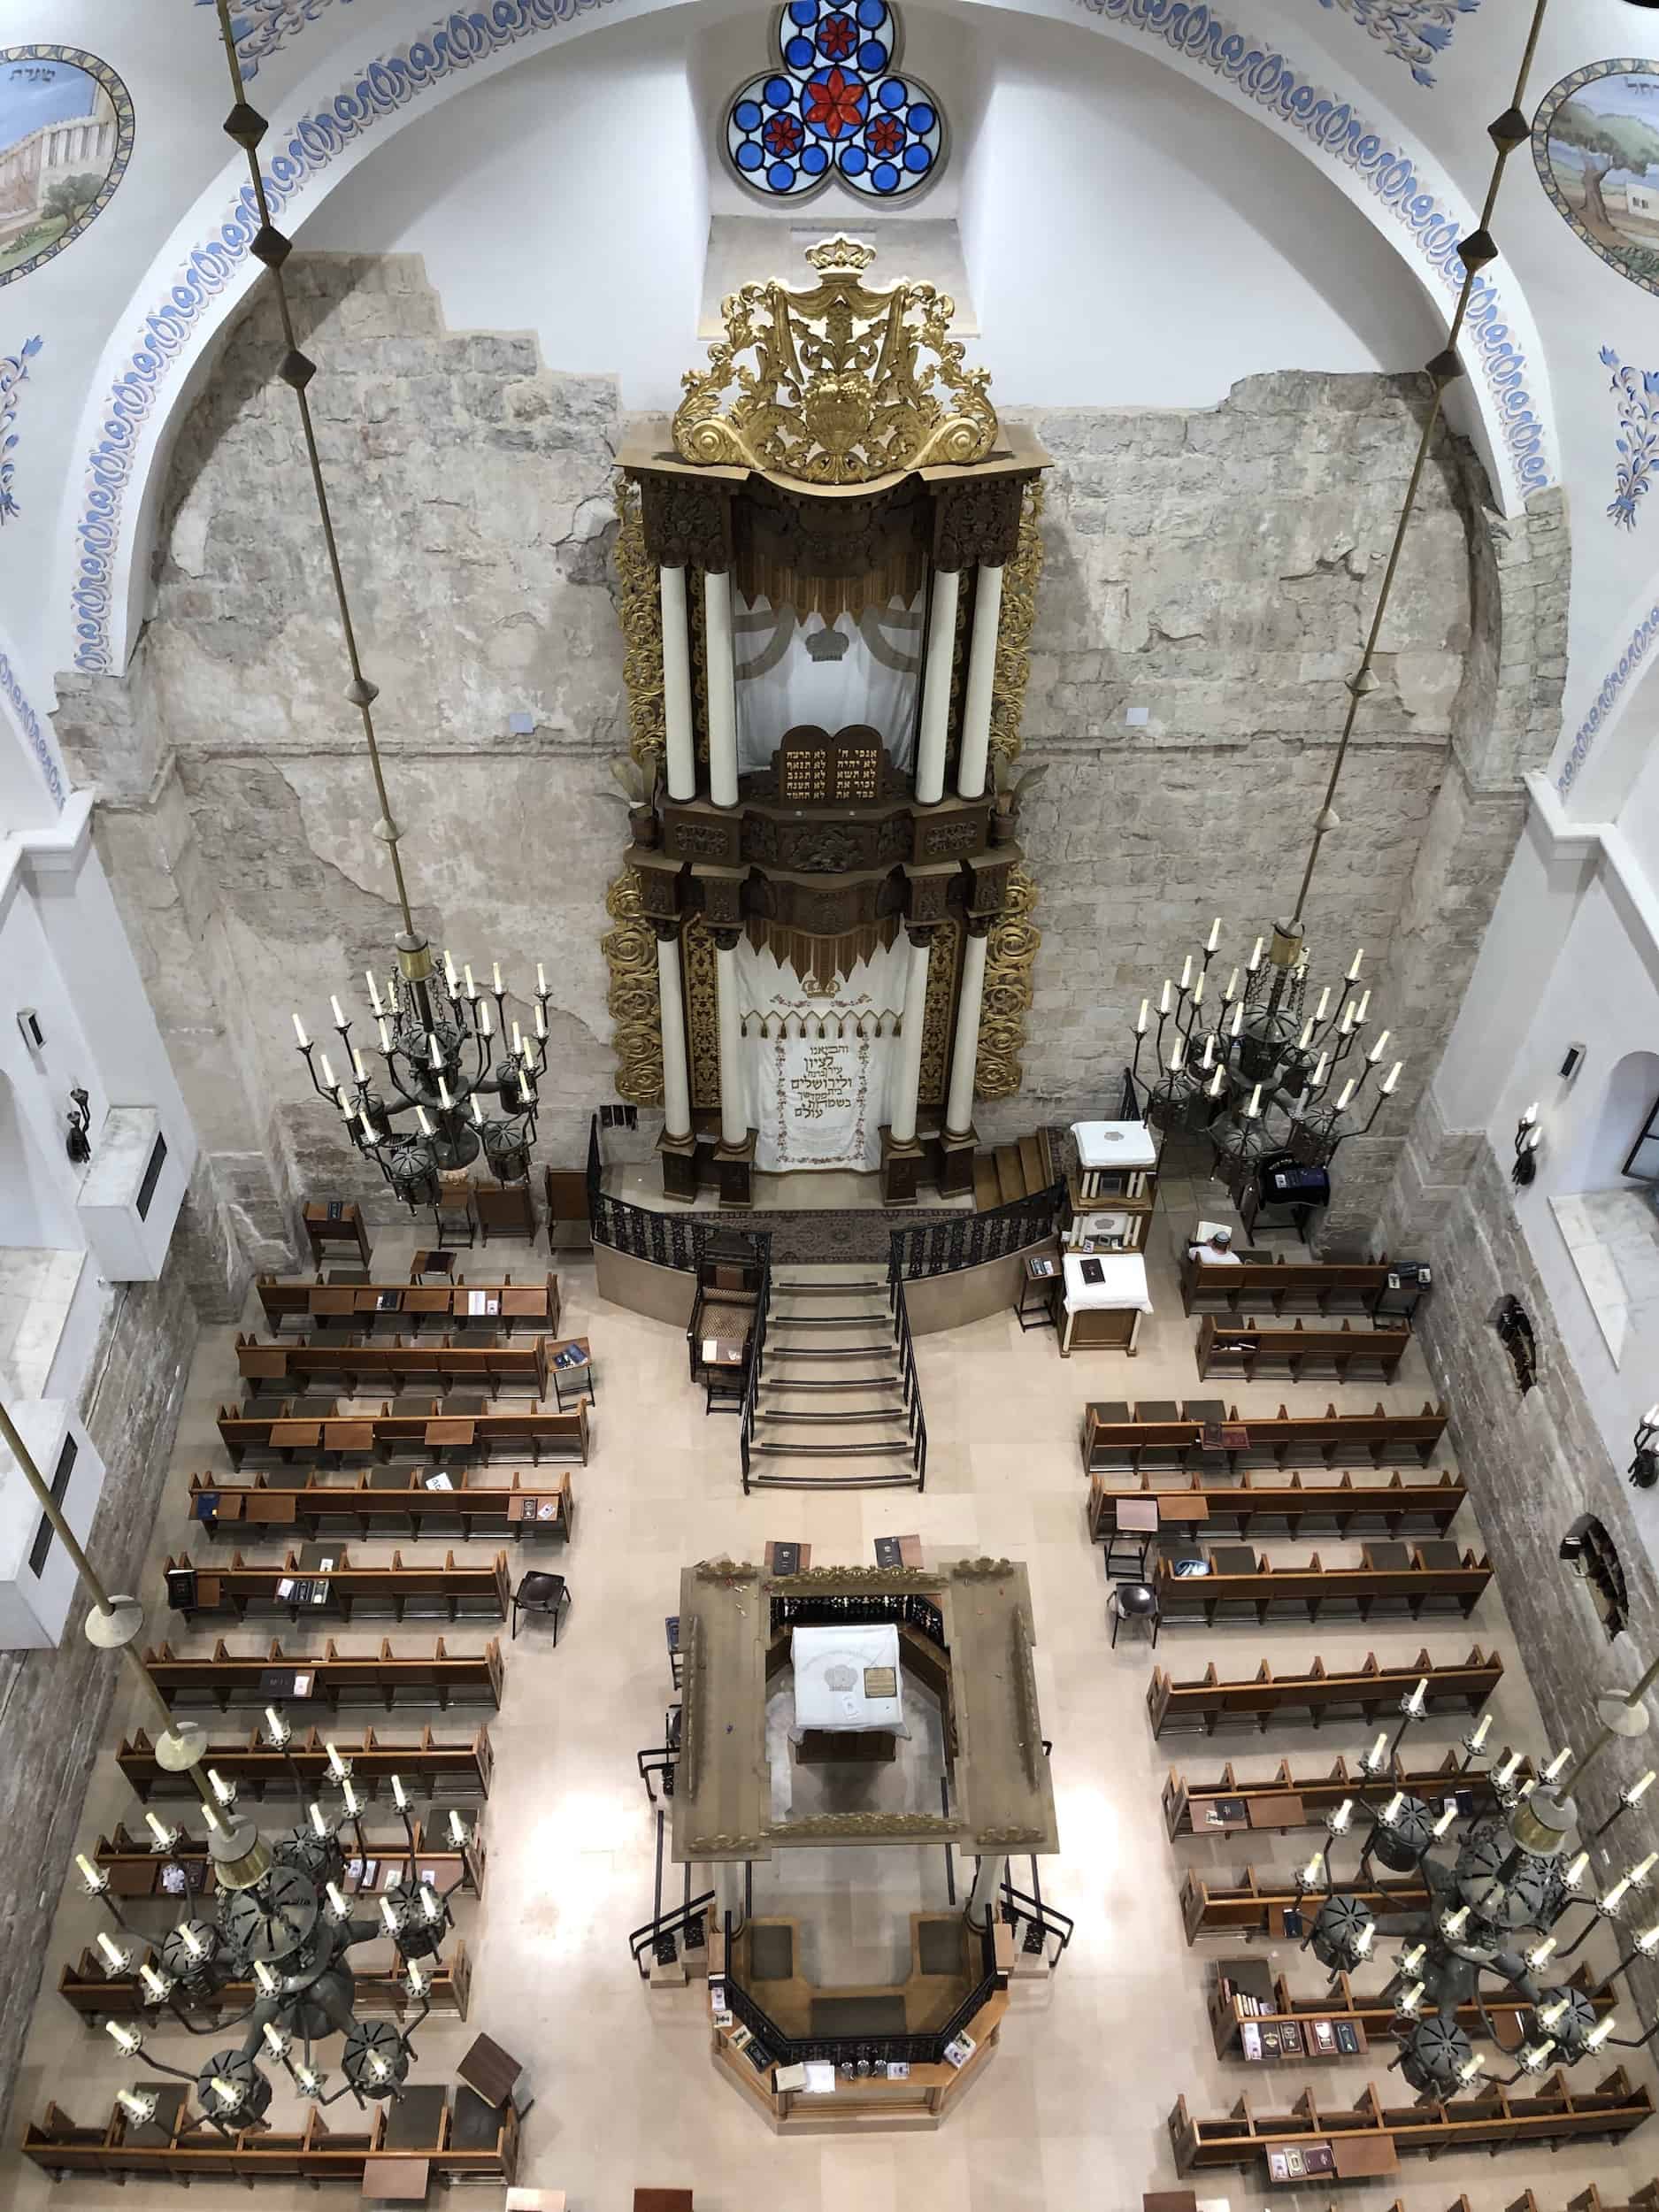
[
  {"x": 1413, "y": 31},
  {"x": 834, "y": 106},
  {"x": 262, "y": 28}
]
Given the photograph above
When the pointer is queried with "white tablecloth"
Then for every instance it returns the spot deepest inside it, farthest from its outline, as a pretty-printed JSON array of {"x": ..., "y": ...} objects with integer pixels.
[
  {"x": 1125, "y": 1144},
  {"x": 1123, "y": 1282},
  {"x": 830, "y": 1666}
]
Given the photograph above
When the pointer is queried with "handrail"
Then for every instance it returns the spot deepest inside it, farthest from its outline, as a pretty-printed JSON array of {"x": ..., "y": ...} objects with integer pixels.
[
  {"x": 756, "y": 1361},
  {"x": 969, "y": 1240},
  {"x": 916, "y": 1420},
  {"x": 642, "y": 1940},
  {"x": 871, "y": 2050},
  {"x": 1043, "y": 1920},
  {"x": 677, "y": 1241}
]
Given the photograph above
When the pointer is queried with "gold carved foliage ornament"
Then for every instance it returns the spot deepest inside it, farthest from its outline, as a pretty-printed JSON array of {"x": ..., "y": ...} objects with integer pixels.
[
  {"x": 630, "y": 950},
  {"x": 838, "y": 384}
]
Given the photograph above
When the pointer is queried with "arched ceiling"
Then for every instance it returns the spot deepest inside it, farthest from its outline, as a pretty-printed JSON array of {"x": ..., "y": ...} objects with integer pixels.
[{"x": 1388, "y": 104}]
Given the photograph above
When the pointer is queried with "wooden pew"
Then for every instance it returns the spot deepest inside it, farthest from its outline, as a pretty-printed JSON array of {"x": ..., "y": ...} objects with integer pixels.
[
  {"x": 1350, "y": 1693},
  {"x": 97, "y": 1996},
  {"x": 482, "y": 1503},
  {"x": 452, "y": 1592},
  {"x": 187, "y": 2149},
  {"x": 358, "y": 1369},
  {"x": 1249, "y": 1505},
  {"x": 1310, "y": 1589},
  {"x": 1283, "y": 1287},
  {"x": 1375, "y": 2018},
  {"x": 1257, "y": 1905},
  {"x": 522, "y": 1305},
  {"x": 521, "y": 1429},
  {"x": 1495, "y": 2119},
  {"x": 459, "y": 1767},
  {"x": 1246, "y": 1350},
  {"x": 337, "y": 1679},
  {"x": 1378, "y": 1439},
  {"x": 1292, "y": 1800},
  {"x": 135, "y": 1868}
]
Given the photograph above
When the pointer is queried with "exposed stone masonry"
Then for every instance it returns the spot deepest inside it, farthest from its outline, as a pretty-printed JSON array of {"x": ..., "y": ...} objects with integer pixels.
[{"x": 1215, "y": 567}]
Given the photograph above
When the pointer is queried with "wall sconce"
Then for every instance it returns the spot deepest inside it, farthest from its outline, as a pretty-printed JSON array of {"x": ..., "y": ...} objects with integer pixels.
[
  {"x": 1644, "y": 1468},
  {"x": 1528, "y": 1136},
  {"x": 76, "y": 1144}
]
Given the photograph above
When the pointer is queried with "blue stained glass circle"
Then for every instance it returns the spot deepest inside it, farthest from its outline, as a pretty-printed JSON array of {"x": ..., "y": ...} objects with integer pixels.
[
  {"x": 921, "y": 119},
  {"x": 883, "y": 176},
  {"x": 834, "y": 104},
  {"x": 746, "y": 115},
  {"x": 873, "y": 56},
  {"x": 893, "y": 93},
  {"x": 815, "y": 161},
  {"x": 804, "y": 14},
  {"x": 779, "y": 92},
  {"x": 780, "y": 176},
  {"x": 917, "y": 159},
  {"x": 747, "y": 156},
  {"x": 872, "y": 14},
  {"x": 798, "y": 53},
  {"x": 853, "y": 161}
]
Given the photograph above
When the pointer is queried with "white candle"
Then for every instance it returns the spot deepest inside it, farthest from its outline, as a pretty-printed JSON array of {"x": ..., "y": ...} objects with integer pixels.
[
  {"x": 336, "y": 1903},
  {"x": 541, "y": 979},
  {"x": 349, "y": 1795},
  {"x": 1506, "y": 1772},
  {"x": 1319, "y": 1066},
  {"x": 158, "y": 1831},
  {"x": 265, "y": 1979},
  {"x": 1375, "y": 1052},
  {"x": 1214, "y": 938},
  {"x": 432, "y": 1047},
  {"x": 1237, "y": 1016},
  {"x": 222, "y": 1789},
  {"x": 1346, "y": 1094},
  {"x": 1141, "y": 1018},
  {"x": 1178, "y": 1054},
  {"x": 1453, "y": 1922},
  {"x": 112, "y": 1952},
  {"x": 424, "y": 1124},
  {"x": 1392, "y": 1809},
  {"x": 357, "y": 1068},
  {"x": 1557, "y": 1764},
  {"x": 1198, "y": 992},
  {"x": 1215, "y": 1084},
  {"x": 449, "y": 976},
  {"x": 1345, "y": 1028},
  {"x": 340, "y": 1020},
  {"x": 540, "y": 1021},
  {"x": 1480, "y": 1735},
  {"x": 299, "y": 1031},
  {"x": 154, "y": 1984},
  {"x": 1540, "y": 1955},
  {"x": 1637, "y": 1791},
  {"x": 386, "y": 1033},
  {"x": 329, "y": 1083},
  {"x": 495, "y": 972},
  {"x": 1419, "y": 1694},
  {"x": 1306, "y": 1038},
  {"x": 1310, "y": 1872},
  {"x": 1186, "y": 971},
  {"x": 227, "y": 2092},
  {"x": 1164, "y": 997},
  {"x": 388, "y": 1915},
  {"x": 1325, "y": 1000},
  {"x": 1256, "y": 955},
  {"x": 274, "y": 2037},
  {"x": 374, "y": 988},
  {"x": 444, "y": 1100},
  {"x": 1445, "y": 1821},
  {"x": 1255, "y": 1106},
  {"x": 1391, "y": 1078},
  {"x": 121, "y": 2036},
  {"x": 1210, "y": 1053},
  {"x": 367, "y": 1125},
  {"x": 398, "y": 1797},
  {"x": 485, "y": 1021},
  {"x": 88, "y": 1872},
  {"x": 478, "y": 1111},
  {"x": 317, "y": 1822},
  {"x": 429, "y": 1904},
  {"x": 1359, "y": 1012},
  {"x": 472, "y": 987},
  {"x": 457, "y": 1829},
  {"x": 336, "y": 1765},
  {"x": 1353, "y": 973},
  {"x": 1378, "y": 1748},
  {"x": 1599, "y": 2034},
  {"x": 518, "y": 1043}
]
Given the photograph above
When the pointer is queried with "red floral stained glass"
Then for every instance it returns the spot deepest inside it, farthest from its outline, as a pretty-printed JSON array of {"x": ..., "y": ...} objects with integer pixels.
[
  {"x": 837, "y": 37},
  {"x": 886, "y": 135},
  {"x": 834, "y": 103},
  {"x": 782, "y": 134}
]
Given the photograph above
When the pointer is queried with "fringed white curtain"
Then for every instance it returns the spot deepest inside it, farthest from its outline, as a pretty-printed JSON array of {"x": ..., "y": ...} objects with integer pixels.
[
  {"x": 858, "y": 667},
  {"x": 817, "y": 1053}
]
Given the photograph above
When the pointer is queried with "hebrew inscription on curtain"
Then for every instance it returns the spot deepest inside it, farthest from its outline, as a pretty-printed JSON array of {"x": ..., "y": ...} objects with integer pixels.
[{"x": 818, "y": 1114}]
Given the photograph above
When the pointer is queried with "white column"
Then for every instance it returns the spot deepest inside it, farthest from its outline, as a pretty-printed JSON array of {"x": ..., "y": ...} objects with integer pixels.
[
  {"x": 676, "y": 1082},
  {"x": 682, "y": 759},
  {"x": 965, "y": 1049},
  {"x": 942, "y": 639},
  {"x": 988, "y": 1884},
  {"x": 976, "y": 706},
  {"x": 716, "y": 646},
  {"x": 734, "y": 1112},
  {"x": 902, "y": 1114}
]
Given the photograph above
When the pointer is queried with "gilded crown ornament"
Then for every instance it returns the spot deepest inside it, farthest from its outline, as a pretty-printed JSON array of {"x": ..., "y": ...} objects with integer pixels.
[{"x": 838, "y": 386}]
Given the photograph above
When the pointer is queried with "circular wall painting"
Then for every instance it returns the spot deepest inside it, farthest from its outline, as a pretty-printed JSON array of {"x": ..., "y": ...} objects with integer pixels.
[
  {"x": 1595, "y": 140},
  {"x": 65, "y": 138}
]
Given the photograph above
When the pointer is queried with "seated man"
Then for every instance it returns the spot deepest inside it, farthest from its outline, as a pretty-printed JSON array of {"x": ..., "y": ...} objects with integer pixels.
[{"x": 1212, "y": 1246}]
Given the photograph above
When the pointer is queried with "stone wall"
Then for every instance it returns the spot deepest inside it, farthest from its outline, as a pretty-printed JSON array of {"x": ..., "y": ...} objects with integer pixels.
[
  {"x": 1533, "y": 1464},
  {"x": 54, "y": 1704},
  {"x": 1214, "y": 567}
]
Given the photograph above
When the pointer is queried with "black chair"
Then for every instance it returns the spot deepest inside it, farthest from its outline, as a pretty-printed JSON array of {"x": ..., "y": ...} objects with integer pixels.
[
  {"x": 1133, "y": 1602},
  {"x": 542, "y": 1593}
]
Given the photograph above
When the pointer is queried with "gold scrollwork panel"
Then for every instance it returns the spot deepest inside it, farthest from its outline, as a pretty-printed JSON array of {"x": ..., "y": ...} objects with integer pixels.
[
  {"x": 703, "y": 1011},
  {"x": 938, "y": 1011},
  {"x": 630, "y": 950},
  {"x": 1009, "y": 960},
  {"x": 640, "y": 612},
  {"x": 1012, "y": 670}
]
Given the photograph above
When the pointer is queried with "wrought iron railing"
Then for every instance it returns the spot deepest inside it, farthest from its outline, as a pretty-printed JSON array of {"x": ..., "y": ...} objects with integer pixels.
[
  {"x": 681, "y": 1927},
  {"x": 830, "y": 1609},
  {"x": 940, "y": 1248},
  {"x": 865, "y": 2053},
  {"x": 1034, "y": 1920},
  {"x": 909, "y": 1380},
  {"x": 756, "y": 1363},
  {"x": 665, "y": 1240}
]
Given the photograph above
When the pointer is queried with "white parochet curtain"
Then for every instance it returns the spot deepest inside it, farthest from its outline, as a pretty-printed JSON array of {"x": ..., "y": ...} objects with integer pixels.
[
  {"x": 816, "y": 1068},
  {"x": 860, "y": 668}
]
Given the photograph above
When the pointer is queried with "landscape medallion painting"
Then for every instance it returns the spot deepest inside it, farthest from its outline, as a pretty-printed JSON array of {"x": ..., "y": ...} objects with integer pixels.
[
  {"x": 65, "y": 138},
  {"x": 1596, "y": 144}
]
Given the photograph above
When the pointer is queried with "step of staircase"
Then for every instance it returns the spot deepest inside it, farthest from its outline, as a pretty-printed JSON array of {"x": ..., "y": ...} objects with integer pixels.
[
  {"x": 863, "y": 1449},
  {"x": 823, "y": 1320},
  {"x": 817, "y": 1426},
  {"x": 830, "y": 1415}
]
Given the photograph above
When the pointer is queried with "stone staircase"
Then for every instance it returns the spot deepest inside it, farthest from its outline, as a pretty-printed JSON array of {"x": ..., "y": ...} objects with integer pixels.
[
  {"x": 830, "y": 1411},
  {"x": 1025, "y": 1169}
]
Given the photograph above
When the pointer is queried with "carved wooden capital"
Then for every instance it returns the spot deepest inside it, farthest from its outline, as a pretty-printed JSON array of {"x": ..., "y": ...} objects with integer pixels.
[
  {"x": 726, "y": 940},
  {"x": 685, "y": 522},
  {"x": 976, "y": 520}
]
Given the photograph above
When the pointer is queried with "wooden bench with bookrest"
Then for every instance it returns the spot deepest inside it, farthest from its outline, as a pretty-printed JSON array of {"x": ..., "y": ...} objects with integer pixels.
[
  {"x": 97, "y": 1996},
  {"x": 1248, "y": 1504},
  {"x": 137, "y": 1869},
  {"x": 474, "y": 1502},
  {"x": 469, "y": 1590},
  {"x": 521, "y": 1429},
  {"x": 426, "y": 1767},
  {"x": 1494, "y": 2119},
  {"x": 1348, "y": 1693},
  {"x": 1243, "y": 1349},
  {"x": 337, "y": 1679},
  {"x": 418, "y": 1305},
  {"x": 358, "y": 1369},
  {"x": 1257, "y": 1905},
  {"x": 1378, "y": 1439},
  {"x": 1310, "y": 1589},
  {"x": 1373, "y": 2018},
  {"x": 1292, "y": 1800},
  {"x": 473, "y": 2142},
  {"x": 1283, "y": 1287}
]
